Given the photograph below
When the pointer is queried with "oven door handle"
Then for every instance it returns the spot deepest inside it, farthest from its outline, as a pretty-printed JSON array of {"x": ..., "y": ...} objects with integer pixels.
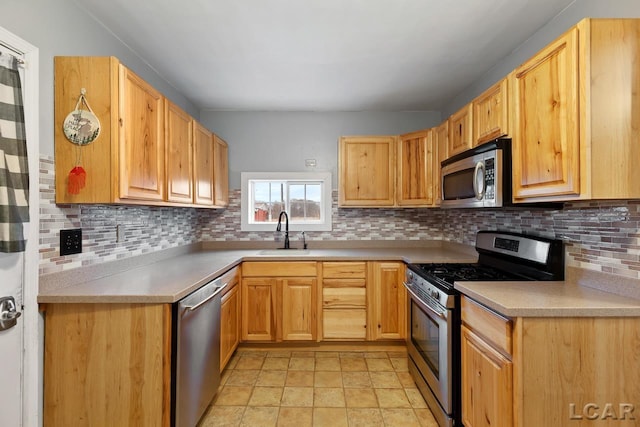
[{"x": 417, "y": 299}]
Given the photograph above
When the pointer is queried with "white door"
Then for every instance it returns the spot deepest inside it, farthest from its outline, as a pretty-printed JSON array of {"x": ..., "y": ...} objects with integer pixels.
[
  {"x": 20, "y": 345},
  {"x": 11, "y": 342}
]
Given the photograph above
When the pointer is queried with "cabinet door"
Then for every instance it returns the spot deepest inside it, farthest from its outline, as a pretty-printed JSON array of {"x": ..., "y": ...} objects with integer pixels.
[
  {"x": 487, "y": 385},
  {"x": 203, "y": 165},
  {"x": 221, "y": 172},
  {"x": 491, "y": 113},
  {"x": 367, "y": 171},
  {"x": 141, "y": 139},
  {"x": 299, "y": 309},
  {"x": 107, "y": 365},
  {"x": 460, "y": 130},
  {"x": 229, "y": 325},
  {"x": 546, "y": 156},
  {"x": 440, "y": 143},
  {"x": 415, "y": 169},
  {"x": 178, "y": 149},
  {"x": 258, "y": 309},
  {"x": 388, "y": 308}
]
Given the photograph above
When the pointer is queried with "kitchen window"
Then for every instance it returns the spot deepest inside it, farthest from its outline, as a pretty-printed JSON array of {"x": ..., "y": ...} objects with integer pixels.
[{"x": 306, "y": 197}]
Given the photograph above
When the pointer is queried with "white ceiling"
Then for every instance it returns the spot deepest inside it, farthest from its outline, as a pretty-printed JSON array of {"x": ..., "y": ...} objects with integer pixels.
[{"x": 322, "y": 55}]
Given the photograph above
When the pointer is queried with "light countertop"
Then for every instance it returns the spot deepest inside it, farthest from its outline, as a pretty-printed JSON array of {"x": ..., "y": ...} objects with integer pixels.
[
  {"x": 549, "y": 299},
  {"x": 169, "y": 280}
]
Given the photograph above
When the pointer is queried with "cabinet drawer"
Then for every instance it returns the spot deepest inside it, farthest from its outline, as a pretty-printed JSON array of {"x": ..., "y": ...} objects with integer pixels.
[
  {"x": 344, "y": 298},
  {"x": 279, "y": 269},
  {"x": 344, "y": 324},
  {"x": 344, "y": 283},
  {"x": 231, "y": 278},
  {"x": 488, "y": 324},
  {"x": 341, "y": 270}
]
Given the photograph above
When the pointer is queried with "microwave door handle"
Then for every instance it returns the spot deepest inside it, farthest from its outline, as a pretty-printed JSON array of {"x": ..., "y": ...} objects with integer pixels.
[{"x": 478, "y": 193}]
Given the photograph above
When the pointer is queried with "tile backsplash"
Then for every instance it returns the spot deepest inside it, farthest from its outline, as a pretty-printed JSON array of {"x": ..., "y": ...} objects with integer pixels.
[
  {"x": 602, "y": 236},
  {"x": 146, "y": 229}
]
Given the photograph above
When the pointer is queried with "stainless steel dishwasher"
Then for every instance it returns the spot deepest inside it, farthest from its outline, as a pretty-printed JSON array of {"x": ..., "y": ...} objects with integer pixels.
[{"x": 197, "y": 348}]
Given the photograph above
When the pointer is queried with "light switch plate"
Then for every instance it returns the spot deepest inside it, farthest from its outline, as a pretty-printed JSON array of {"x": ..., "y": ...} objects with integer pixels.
[{"x": 71, "y": 241}]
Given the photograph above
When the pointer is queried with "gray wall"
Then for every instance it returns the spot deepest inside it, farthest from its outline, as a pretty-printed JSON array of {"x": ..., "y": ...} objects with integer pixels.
[
  {"x": 59, "y": 28},
  {"x": 281, "y": 141},
  {"x": 561, "y": 23}
]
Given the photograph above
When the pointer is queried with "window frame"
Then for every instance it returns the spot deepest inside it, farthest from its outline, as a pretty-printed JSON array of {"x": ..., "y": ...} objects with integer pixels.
[{"x": 324, "y": 178}]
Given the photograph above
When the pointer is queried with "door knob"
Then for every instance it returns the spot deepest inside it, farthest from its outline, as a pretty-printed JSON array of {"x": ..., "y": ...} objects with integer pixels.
[{"x": 8, "y": 313}]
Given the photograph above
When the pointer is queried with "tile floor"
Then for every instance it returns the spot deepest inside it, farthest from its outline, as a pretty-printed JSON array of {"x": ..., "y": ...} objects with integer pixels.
[{"x": 318, "y": 388}]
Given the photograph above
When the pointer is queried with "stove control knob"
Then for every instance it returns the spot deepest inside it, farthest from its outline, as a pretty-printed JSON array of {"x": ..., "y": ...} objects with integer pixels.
[
  {"x": 435, "y": 295},
  {"x": 410, "y": 276}
]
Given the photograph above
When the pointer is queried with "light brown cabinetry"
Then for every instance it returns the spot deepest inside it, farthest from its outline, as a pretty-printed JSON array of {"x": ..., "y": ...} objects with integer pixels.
[
  {"x": 229, "y": 316},
  {"x": 487, "y": 370},
  {"x": 383, "y": 171},
  {"x": 107, "y": 364},
  {"x": 367, "y": 166},
  {"x": 203, "y": 165},
  {"x": 299, "y": 321},
  {"x": 144, "y": 152},
  {"x": 415, "y": 169},
  {"x": 460, "y": 130},
  {"x": 266, "y": 288},
  {"x": 126, "y": 161},
  {"x": 141, "y": 138},
  {"x": 344, "y": 302},
  {"x": 544, "y": 371},
  {"x": 574, "y": 134},
  {"x": 179, "y": 152},
  {"x": 220, "y": 171},
  {"x": 387, "y": 301},
  {"x": 491, "y": 113},
  {"x": 440, "y": 144}
]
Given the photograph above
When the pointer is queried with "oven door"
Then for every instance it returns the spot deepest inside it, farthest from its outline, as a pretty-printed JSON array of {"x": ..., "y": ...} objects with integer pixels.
[{"x": 430, "y": 346}]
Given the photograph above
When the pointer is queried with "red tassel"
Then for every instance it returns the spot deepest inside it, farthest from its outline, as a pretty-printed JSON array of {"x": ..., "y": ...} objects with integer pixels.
[{"x": 77, "y": 180}]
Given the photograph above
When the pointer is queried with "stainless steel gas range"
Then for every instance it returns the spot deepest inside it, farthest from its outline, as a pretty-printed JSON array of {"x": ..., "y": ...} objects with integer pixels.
[{"x": 433, "y": 339}]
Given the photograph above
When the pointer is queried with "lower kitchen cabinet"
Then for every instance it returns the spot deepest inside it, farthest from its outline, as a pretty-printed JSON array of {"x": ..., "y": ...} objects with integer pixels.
[
  {"x": 344, "y": 300},
  {"x": 107, "y": 365},
  {"x": 487, "y": 376},
  {"x": 298, "y": 309},
  {"x": 279, "y": 301},
  {"x": 548, "y": 371},
  {"x": 229, "y": 317},
  {"x": 387, "y": 301}
]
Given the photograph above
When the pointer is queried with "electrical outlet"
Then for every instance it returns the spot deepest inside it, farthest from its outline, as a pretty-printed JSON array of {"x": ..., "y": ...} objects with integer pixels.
[{"x": 71, "y": 241}]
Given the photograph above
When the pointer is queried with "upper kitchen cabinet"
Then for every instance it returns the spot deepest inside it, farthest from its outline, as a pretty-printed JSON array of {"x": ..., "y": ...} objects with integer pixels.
[
  {"x": 383, "y": 171},
  {"x": 440, "y": 146},
  {"x": 415, "y": 169},
  {"x": 126, "y": 160},
  {"x": 179, "y": 152},
  {"x": 367, "y": 166},
  {"x": 220, "y": 172},
  {"x": 575, "y": 130},
  {"x": 460, "y": 130},
  {"x": 144, "y": 153},
  {"x": 140, "y": 138},
  {"x": 491, "y": 113},
  {"x": 203, "y": 165}
]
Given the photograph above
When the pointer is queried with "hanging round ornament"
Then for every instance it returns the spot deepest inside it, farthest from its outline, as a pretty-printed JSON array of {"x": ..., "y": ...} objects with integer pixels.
[{"x": 81, "y": 127}]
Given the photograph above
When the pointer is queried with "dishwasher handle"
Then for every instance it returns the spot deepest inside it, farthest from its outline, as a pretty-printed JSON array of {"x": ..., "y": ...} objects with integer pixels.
[{"x": 207, "y": 299}]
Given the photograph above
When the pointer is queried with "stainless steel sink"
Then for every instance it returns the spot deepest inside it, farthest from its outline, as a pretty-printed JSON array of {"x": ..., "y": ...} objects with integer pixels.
[{"x": 284, "y": 252}]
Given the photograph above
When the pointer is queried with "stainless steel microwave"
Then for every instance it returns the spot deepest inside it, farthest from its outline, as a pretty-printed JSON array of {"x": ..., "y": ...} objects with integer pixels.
[{"x": 479, "y": 177}]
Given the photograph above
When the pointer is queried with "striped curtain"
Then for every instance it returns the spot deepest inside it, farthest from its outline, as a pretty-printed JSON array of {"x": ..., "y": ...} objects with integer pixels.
[{"x": 14, "y": 169}]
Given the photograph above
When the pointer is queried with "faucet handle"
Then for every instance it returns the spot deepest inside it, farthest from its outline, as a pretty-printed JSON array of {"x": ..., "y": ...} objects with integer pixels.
[{"x": 304, "y": 240}]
